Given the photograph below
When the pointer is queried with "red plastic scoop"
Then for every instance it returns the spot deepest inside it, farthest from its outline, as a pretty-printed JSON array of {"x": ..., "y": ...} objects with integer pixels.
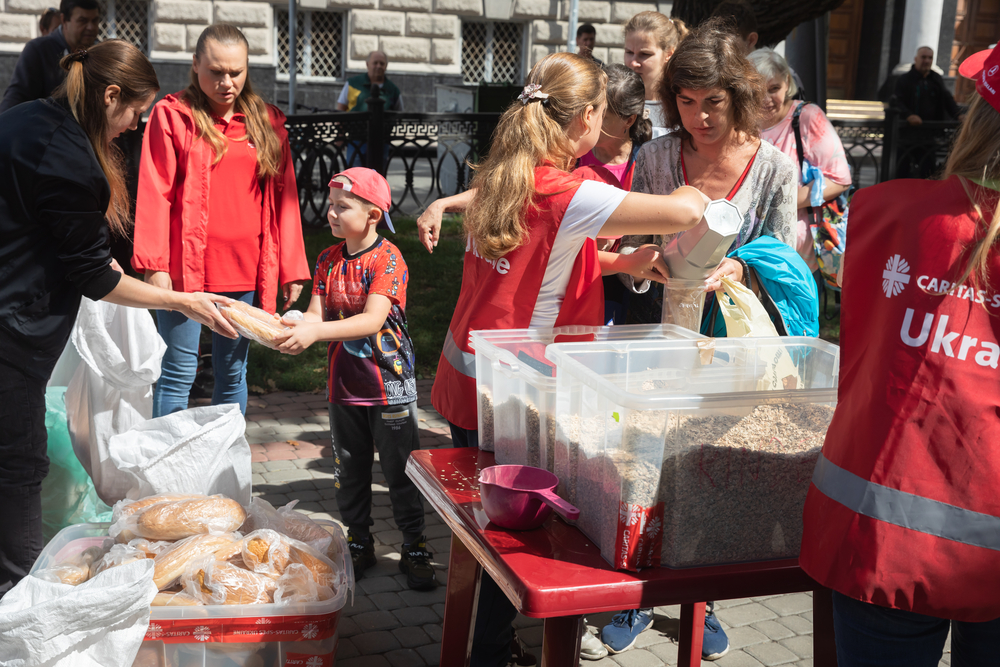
[{"x": 521, "y": 497}]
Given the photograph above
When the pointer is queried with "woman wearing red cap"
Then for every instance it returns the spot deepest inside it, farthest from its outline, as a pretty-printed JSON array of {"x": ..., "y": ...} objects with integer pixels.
[{"x": 902, "y": 520}]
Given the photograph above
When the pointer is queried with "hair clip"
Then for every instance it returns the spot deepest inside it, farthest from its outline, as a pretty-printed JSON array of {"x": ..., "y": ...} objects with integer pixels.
[
  {"x": 532, "y": 92},
  {"x": 645, "y": 113},
  {"x": 78, "y": 56}
]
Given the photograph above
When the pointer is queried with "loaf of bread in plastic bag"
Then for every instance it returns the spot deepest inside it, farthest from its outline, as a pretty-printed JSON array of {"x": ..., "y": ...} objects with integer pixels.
[
  {"x": 172, "y": 563},
  {"x": 75, "y": 570},
  {"x": 126, "y": 508},
  {"x": 178, "y": 519},
  {"x": 287, "y": 521},
  {"x": 219, "y": 582},
  {"x": 266, "y": 552},
  {"x": 298, "y": 585},
  {"x": 253, "y": 323}
]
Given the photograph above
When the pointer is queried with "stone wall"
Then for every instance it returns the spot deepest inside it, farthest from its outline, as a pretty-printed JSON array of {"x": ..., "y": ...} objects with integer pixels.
[{"x": 422, "y": 38}]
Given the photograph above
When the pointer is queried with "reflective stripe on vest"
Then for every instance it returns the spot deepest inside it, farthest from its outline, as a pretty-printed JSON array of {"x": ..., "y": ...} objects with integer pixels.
[
  {"x": 460, "y": 360},
  {"x": 906, "y": 509}
]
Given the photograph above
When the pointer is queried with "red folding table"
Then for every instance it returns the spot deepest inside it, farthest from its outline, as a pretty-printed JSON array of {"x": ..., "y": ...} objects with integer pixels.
[{"x": 554, "y": 572}]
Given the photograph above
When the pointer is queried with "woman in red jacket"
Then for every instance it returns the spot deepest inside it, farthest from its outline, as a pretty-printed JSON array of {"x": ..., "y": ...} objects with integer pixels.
[
  {"x": 217, "y": 211},
  {"x": 902, "y": 519}
]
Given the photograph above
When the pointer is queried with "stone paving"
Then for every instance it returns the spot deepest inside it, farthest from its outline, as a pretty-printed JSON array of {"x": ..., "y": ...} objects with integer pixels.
[{"x": 389, "y": 625}]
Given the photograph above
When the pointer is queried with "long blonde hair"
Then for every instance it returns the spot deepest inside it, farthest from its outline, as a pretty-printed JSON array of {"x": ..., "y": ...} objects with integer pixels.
[
  {"x": 527, "y": 136},
  {"x": 976, "y": 155},
  {"x": 259, "y": 129},
  {"x": 89, "y": 73}
]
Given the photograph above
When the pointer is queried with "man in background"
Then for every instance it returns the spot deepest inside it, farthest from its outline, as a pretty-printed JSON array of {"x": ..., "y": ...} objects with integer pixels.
[
  {"x": 586, "y": 37},
  {"x": 355, "y": 93},
  {"x": 921, "y": 93},
  {"x": 37, "y": 72}
]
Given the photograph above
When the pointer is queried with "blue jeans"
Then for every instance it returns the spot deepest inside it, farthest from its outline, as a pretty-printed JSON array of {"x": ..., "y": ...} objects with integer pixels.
[
  {"x": 180, "y": 363},
  {"x": 871, "y": 636}
]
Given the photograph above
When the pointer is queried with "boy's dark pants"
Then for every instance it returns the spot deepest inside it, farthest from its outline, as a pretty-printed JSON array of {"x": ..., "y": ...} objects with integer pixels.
[{"x": 393, "y": 430}]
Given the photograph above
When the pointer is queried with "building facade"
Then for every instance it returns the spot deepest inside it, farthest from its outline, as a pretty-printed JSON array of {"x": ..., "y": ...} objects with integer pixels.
[{"x": 428, "y": 42}]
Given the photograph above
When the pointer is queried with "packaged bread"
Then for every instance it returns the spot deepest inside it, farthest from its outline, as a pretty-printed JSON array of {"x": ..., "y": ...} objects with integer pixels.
[
  {"x": 298, "y": 585},
  {"x": 75, "y": 570},
  {"x": 287, "y": 521},
  {"x": 172, "y": 563},
  {"x": 127, "y": 507},
  {"x": 178, "y": 519},
  {"x": 219, "y": 582},
  {"x": 175, "y": 599},
  {"x": 119, "y": 554},
  {"x": 323, "y": 570},
  {"x": 266, "y": 552},
  {"x": 253, "y": 323},
  {"x": 232, "y": 554}
]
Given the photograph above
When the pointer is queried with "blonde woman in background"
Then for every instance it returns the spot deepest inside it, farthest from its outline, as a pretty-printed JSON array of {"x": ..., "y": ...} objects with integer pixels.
[
  {"x": 217, "y": 210},
  {"x": 650, "y": 39}
]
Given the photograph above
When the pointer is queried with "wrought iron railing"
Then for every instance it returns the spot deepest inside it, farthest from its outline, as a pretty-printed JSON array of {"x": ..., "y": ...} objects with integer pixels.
[{"x": 425, "y": 156}]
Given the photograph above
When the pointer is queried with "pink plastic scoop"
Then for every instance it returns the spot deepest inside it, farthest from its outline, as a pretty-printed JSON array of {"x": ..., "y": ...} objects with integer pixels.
[{"x": 521, "y": 497}]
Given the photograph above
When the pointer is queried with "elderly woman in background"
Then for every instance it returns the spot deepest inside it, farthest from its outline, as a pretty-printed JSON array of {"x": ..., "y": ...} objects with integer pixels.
[{"x": 821, "y": 147}]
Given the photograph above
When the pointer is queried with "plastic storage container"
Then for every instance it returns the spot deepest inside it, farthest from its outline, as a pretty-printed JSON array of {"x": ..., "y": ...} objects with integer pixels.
[
  {"x": 693, "y": 453},
  {"x": 259, "y": 635},
  {"x": 516, "y": 385}
]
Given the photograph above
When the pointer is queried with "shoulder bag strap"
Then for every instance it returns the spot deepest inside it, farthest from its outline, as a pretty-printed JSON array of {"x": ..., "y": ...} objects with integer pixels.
[{"x": 799, "y": 151}]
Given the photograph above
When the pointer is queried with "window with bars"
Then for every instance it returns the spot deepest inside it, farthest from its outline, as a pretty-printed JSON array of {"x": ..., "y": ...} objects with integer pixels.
[
  {"x": 492, "y": 52},
  {"x": 319, "y": 43},
  {"x": 125, "y": 19}
]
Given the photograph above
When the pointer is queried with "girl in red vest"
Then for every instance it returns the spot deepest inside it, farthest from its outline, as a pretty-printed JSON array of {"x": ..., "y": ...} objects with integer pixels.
[
  {"x": 526, "y": 224},
  {"x": 902, "y": 519},
  {"x": 217, "y": 210}
]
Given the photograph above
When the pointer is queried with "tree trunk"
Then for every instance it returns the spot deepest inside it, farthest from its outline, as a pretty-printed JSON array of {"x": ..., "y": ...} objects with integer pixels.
[{"x": 775, "y": 18}]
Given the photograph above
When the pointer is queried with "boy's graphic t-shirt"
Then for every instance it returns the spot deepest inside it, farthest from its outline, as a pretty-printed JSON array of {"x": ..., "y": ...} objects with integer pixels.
[{"x": 377, "y": 369}]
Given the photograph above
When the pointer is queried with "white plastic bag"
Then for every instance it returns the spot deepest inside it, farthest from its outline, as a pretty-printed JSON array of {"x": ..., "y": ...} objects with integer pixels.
[
  {"x": 199, "y": 450},
  {"x": 100, "y": 623},
  {"x": 111, "y": 390}
]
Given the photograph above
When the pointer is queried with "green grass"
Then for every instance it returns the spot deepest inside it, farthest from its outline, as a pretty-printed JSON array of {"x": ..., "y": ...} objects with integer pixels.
[{"x": 431, "y": 294}]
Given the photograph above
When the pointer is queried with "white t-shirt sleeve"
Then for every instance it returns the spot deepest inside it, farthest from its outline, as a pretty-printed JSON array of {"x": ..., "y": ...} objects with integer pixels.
[
  {"x": 343, "y": 95},
  {"x": 590, "y": 208}
]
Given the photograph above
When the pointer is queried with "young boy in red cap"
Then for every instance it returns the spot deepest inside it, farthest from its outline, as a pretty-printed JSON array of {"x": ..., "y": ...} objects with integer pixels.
[{"x": 358, "y": 302}]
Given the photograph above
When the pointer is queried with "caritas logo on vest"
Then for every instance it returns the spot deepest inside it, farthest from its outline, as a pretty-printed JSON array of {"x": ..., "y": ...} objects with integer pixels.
[{"x": 896, "y": 277}]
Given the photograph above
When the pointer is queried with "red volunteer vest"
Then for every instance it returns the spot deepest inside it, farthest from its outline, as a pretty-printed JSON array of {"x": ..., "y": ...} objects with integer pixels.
[
  {"x": 903, "y": 511},
  {"x": 502, "y": 295}
]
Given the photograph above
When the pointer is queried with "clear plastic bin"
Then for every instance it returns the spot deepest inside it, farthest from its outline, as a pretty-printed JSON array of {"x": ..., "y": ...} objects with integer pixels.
[
  {"x": 209, "y": 635},
  {"x": 694, "y": 453},
  {"x": 517, "y": 386}
]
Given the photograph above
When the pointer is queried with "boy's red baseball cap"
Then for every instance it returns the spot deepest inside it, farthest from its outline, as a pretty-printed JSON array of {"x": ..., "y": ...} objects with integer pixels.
[
  {"x": 984, "y": 69},
  {"x": 370, "y": 186}
]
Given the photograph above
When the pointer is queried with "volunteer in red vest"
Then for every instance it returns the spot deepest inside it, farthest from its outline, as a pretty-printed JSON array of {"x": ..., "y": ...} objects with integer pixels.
[
  {"x": 526, "y": 225},
  {"x": 902, "y": 519},
  {"x": 217, "y": 210}
]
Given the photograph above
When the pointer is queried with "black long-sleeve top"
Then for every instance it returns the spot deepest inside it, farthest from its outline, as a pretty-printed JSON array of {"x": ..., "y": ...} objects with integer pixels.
[
  {"x": 927, "y": 97},
  {"x": 37, "y": 72},
  {"x": 54, "y": 240}
]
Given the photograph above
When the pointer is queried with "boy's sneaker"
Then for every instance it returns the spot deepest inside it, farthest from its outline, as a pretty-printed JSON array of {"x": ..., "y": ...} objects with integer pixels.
[
  {"x": 714, "y": 643},
  {"x": 362, "y": 554},
  {"x": 624, "y": 629},
  {"x": 415, "y": 563}
]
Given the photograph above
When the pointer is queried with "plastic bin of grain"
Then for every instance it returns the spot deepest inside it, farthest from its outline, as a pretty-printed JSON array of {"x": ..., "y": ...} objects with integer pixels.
[
  {"x": 696, "y": 453},
  {"x": 252, "y": 635},
  {"x": 517, "y": 387}
]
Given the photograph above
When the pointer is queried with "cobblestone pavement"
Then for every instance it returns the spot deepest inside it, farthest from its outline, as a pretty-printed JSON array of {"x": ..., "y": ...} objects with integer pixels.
[{"x": 389, "y": 625}]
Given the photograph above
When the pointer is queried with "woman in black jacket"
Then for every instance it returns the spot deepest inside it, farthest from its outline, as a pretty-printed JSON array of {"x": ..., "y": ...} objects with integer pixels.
[{"x": 62, "y": 193}]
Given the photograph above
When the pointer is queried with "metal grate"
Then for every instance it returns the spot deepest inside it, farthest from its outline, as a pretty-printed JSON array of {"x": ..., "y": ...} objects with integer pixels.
[
  {"x": 319, "y": 43},
  {"x": 127, "y": 20},
  {"x": 491, "y": 52}
]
